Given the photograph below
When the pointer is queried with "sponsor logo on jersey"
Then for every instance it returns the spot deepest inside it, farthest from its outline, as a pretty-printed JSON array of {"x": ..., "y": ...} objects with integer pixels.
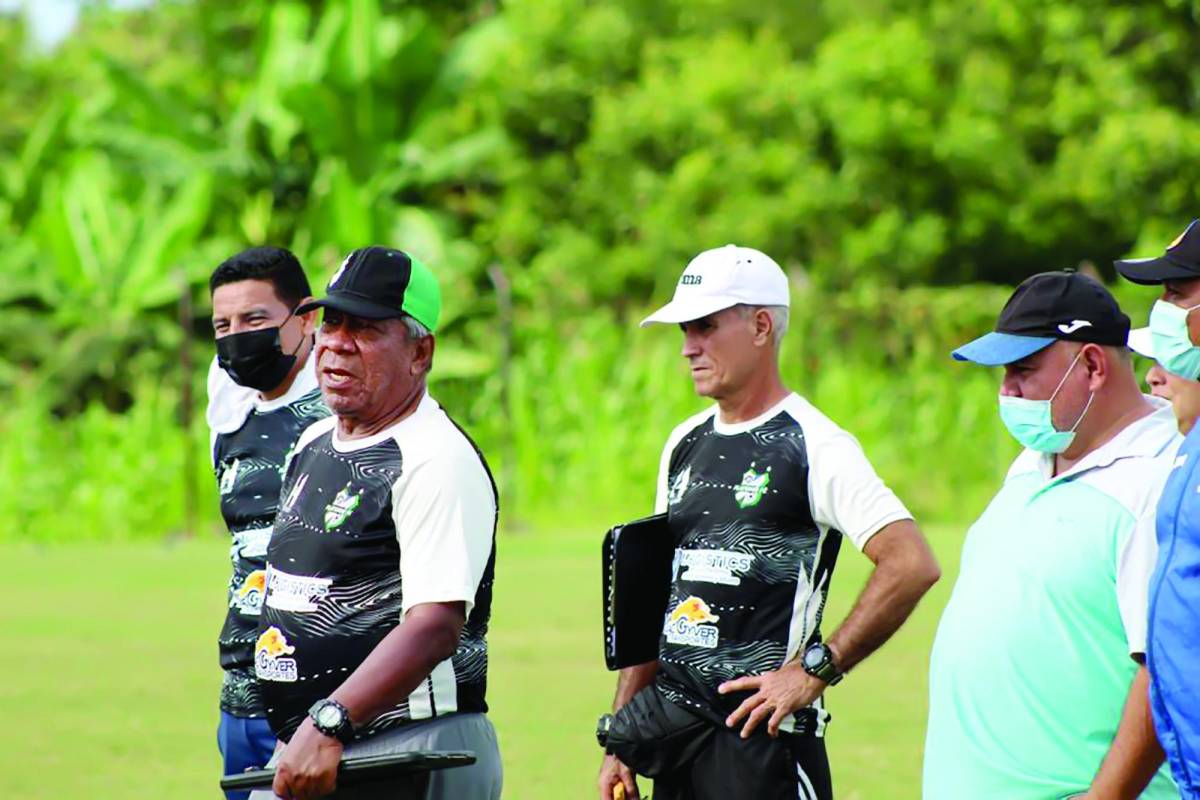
[
  {"x": 228, "y": 477},
  {"x": 343, "y": 505},
  {"x": 270, "y": 657},
  {"x": 679, "y": 486},
  {"x": 298, "y": 593},
  {"x": 687, "y": 624},
  {"x": 250, "y": 544},
  {"x": 248, "y": 597},
  {"x": 714, "y": 566},
  {"x": 752, "y": 488}
]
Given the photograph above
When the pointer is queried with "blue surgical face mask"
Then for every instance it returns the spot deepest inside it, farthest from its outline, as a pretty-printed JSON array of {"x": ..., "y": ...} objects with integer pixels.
[
  {"x": 1031, "y": 421},
  {"x": 1173, "y": 346}
]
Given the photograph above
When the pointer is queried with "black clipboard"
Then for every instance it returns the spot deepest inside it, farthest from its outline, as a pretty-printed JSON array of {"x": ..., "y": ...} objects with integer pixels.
[
  {"x": 364, "y": 769},
  {"x": 637, "y": 558}
]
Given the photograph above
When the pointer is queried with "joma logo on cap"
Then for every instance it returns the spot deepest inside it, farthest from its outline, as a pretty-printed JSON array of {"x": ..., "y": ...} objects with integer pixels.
[
  {"x": 690, "y": 280},
  {"x": 1074, "y": 325}
]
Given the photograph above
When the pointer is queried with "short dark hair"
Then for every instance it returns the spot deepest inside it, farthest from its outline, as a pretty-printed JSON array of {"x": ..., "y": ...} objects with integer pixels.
[{"x": 275, "y": 265}]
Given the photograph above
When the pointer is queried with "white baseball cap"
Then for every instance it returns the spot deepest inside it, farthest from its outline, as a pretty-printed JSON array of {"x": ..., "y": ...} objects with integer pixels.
[
  {"x": 720, "y": 278},
  {"x": 1141, "y": 342}
]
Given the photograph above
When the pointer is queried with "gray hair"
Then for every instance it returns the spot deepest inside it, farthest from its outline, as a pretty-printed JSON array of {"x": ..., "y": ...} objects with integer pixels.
[
  {"x": 779, "y": 320},
  {"x": 415, "y": 329}
]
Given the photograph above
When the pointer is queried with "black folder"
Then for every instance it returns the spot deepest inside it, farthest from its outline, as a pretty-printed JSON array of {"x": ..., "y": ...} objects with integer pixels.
[
  {"x": 414, "y": 766},
  {"x": 637, "y": 560}
]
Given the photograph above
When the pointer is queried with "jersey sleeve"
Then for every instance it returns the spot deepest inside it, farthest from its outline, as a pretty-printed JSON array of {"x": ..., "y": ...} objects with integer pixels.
[
  {"x": 664, "y": 468},
  {"x": 846, "y": 493},
  {"x": 445, "y": 517},
  {"x": 1135, "y": 564}
]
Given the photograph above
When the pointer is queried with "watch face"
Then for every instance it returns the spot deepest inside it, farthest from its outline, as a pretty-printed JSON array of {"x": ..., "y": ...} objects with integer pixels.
[
  {"x": 814, "y": 656},
  {"x": 329, "y": 717}
]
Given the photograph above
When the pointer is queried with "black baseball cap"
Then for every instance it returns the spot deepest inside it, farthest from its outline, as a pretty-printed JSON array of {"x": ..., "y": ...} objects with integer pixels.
[
  {"x": 1181, "y": 261},
  {"x": 381, "y": 283},
  {"x": 1046, "y": 308}
]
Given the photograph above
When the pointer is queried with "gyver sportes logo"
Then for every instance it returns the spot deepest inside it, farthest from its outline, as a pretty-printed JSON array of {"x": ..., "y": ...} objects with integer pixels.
[
  {"x": 270, "y": 662},
  {"x": 338, "y": 511},
  {"x": 752, "y": 488},
  {"x": 689, "y": 623}
]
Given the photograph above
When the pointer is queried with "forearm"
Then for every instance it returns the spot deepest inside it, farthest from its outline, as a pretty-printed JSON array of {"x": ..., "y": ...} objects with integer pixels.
[
  {"x": 1135, "y": 754},
  {"x": 399, "y": 663},
  {"x": 904, "y": 571},
  {"x": 632, "y": 680}
]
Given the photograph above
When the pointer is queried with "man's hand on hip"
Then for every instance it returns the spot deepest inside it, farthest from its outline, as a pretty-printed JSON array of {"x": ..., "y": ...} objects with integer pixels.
[
  {"x": 613, "y": 774},
  {"x": 308, "y": 767},
  {"x": 778, "y": 694}
]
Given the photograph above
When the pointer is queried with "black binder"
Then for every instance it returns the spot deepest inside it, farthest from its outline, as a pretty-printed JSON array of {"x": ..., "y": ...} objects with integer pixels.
[
  {"x": 637, "y": 560},
  {"x": 404, "y": 768}
]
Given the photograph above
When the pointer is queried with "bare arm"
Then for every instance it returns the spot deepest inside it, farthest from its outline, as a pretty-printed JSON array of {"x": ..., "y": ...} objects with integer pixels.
[
  {"x": 613, "y": 773},
  {"x": 632, "y": 680},
  {"x": 905, "y": 569},
  {"x": 402, "y": 659},
  {"x": 1135, "y": 754},
  {"x": 395, "y": 668}
]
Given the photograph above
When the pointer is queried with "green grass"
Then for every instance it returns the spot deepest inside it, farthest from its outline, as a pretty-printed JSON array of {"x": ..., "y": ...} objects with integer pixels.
[{"x": 110, "y": 676}]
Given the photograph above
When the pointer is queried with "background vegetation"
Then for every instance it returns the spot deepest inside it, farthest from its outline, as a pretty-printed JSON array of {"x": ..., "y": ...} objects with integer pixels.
[{"x": 559, "y": 161}]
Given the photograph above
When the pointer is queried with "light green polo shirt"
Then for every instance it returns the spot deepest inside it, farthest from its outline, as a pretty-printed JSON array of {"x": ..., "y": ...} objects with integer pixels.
[{"x": 1032, "y": 661}]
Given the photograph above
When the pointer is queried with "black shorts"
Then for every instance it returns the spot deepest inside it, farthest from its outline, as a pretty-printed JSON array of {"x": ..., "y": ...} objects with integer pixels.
[{"x": 692, "y": 758}]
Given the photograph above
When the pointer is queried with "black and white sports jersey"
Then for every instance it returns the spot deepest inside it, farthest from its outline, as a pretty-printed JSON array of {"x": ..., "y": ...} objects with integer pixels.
[
  {"x": 369, "y": 528},
  {"x": 758, "y": 510},
  {"x": 249, "y": 462}
]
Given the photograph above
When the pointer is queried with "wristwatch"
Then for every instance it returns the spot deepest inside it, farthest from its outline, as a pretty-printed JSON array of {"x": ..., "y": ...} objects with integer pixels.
[
  {"x": 332, "y": 719},
  {"x": 602, "y": 726},
  {"x": 818, "y": 662}
]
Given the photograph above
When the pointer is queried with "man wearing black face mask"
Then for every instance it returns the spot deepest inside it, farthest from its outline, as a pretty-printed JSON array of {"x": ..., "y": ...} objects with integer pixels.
[{"x": 262, "y": 394}]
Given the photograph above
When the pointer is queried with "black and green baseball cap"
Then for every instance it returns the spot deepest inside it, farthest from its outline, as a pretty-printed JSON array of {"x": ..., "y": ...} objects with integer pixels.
[{"x": 381, "y": 283}]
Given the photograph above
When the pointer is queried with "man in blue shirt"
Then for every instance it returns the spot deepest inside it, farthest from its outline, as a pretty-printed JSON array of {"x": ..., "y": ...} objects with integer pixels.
[{"x": 1173, "y": 638}]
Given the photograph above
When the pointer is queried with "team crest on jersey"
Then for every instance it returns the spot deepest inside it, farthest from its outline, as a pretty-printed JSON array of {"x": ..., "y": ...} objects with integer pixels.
[
  {"x": 248, "y": 597},
  {"x": 270, "y": 657},
  {"x": 338, "y": 511},
  {"x": 688, "y": 623},
  {"x": 228, "y": 477},
  {"x": 752, "y": 488},
  {"x": 679, "y": 486}
]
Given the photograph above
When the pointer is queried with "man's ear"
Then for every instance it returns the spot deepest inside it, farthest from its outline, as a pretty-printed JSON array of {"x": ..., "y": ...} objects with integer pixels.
[
  {"x": 764, "y": 326},
  {"x": 422, "y": 361},
  {"x": 308, "y": 320},
  {"x": 1098, "y": 364}
]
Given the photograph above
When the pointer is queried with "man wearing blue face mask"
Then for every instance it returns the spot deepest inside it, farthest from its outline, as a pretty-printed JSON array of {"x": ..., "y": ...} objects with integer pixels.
[
  {"x": 1173, "y": 643},
  {"x": 1036, "y": 683},
  {"x": 262, "y": 394}
]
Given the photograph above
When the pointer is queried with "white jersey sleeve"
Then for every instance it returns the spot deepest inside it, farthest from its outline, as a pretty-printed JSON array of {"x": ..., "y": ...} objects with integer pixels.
[
  {"x": 444, "y": 510},
  {"x": 845, "y": 492}
]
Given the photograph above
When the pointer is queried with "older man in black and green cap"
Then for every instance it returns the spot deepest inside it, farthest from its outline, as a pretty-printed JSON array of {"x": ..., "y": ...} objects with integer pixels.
[{"x": 373, "y": 629}]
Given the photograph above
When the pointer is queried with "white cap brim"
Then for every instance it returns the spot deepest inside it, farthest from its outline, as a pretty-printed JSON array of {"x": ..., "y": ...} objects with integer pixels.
[
  {"x": 1142, "y": 342},
  {"x": 686, "y": 310}
]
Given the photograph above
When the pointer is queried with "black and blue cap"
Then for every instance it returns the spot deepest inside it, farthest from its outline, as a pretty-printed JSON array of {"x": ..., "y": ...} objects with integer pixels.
[
  {"x": 1180, "y": 262},
  {"x": 382, "y": 283},
  {"x": 1046, "y": 308}
]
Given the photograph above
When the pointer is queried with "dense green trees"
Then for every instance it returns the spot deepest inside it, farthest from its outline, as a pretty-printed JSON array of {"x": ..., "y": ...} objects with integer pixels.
[{"x": 580, "y": 152}]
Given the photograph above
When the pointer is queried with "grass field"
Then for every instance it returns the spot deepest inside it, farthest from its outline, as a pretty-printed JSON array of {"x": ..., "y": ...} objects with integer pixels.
[{"x": 108, "y": 658}]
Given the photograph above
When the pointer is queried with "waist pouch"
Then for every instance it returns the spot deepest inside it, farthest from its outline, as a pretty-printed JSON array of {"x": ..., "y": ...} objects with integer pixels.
[{"x": 654, "y": 737}]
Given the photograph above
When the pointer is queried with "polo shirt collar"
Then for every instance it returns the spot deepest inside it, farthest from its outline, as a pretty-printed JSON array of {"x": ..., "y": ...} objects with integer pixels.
[{"x": 1146, "y": 437}]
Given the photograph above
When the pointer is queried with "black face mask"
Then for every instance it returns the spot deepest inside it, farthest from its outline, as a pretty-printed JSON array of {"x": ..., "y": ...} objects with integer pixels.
[{"x": 255, "y": 358}]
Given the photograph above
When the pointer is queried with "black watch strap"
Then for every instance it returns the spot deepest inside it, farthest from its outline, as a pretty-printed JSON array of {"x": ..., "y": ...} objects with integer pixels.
[
  {"x": 818, "y": 662},
  {"x": 332, "y": 719},
  {"x": 602, "y": 727}
]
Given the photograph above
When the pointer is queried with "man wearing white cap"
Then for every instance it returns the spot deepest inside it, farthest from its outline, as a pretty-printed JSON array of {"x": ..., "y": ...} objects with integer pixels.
[{"x": 759, "y": 491}]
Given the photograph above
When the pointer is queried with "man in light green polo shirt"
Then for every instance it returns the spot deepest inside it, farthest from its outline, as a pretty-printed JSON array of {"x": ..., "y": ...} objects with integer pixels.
[{"x": 1037, "y": 689}]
